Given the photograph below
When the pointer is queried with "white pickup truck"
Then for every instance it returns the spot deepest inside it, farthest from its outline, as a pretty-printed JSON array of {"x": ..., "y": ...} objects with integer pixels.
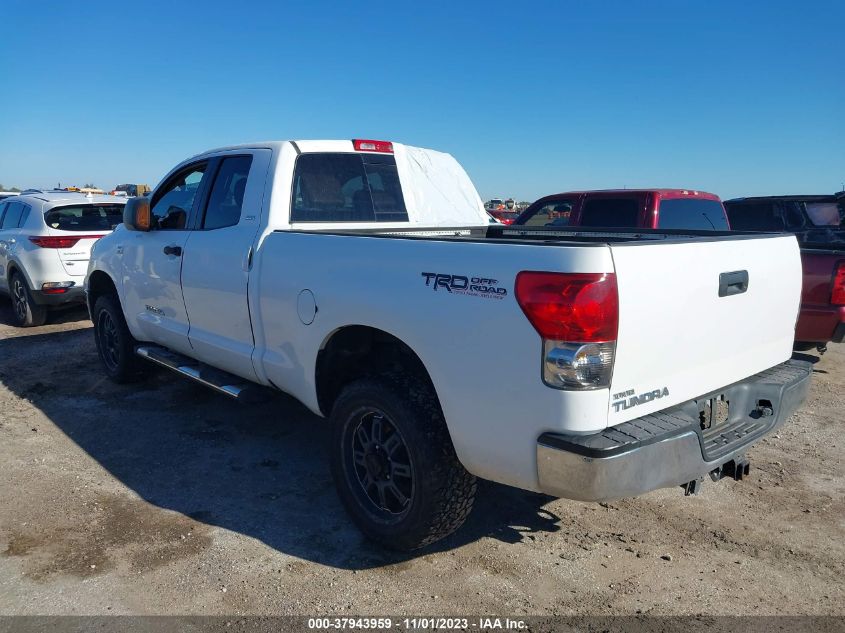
[{"x": 363, "y": 278}]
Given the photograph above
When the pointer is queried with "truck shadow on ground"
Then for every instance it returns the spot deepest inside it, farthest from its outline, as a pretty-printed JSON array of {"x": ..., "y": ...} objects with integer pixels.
[{"x": 259, "y": 470}]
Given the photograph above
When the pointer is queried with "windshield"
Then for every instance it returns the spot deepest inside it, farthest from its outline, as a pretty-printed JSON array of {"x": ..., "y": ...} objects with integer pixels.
[
  {"x": 554, "y": 213},
  {"x": 84, "y": 217}
]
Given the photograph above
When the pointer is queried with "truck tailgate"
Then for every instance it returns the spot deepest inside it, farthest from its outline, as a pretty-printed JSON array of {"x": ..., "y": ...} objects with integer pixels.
[{"x": 678, "y": 338}]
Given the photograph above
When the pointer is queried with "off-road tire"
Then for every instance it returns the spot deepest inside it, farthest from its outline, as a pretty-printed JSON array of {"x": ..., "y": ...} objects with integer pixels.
[
  {"x": 443, "y": 491},
  {"x": 26, "y": 312},
  {"x": 115, "y": 345}
]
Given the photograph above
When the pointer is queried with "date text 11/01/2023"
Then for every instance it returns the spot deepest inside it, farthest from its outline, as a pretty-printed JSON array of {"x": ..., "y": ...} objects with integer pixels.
[{"x": 426, "y": 623}]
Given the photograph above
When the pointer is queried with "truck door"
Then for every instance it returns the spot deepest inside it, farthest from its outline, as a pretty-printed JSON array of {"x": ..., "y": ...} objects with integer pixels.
[
  {"x": 218, "y": 258},
  {"x": 152, "y": 261}
]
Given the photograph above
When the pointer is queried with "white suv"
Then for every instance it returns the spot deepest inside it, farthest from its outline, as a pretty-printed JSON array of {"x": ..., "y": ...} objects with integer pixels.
[{"x": 45, "y": 244}]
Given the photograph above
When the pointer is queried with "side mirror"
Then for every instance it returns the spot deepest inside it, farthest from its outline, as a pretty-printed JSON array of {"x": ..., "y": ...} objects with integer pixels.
[{"x": 136, "y": 214}]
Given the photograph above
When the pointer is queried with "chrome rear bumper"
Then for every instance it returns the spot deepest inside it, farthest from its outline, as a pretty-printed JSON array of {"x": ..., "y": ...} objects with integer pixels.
[{"x": 670, "y": 448}]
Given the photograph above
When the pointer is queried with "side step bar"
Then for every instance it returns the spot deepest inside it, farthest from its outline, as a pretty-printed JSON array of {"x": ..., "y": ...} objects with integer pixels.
[{"x": 221, "y": 381}]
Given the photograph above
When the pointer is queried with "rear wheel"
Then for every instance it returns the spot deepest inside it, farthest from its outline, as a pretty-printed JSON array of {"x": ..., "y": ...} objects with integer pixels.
[
  {"x": 394, "y": 465},
  {"x": 115, "y": 345},
  {"x": 27, "y": 312}
]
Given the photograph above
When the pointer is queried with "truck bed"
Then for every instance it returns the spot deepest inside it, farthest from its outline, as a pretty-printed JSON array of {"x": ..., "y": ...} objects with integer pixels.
[{"x": 678, "y": 336}]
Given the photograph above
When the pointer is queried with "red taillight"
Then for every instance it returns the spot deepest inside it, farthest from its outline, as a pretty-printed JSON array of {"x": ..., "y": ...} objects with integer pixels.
[
  {"x": 837, "y": 296},
  {"x": 582, "y": 307},
  {"x": 65, "y": 241},
  {"x": 384, "y": 147}
]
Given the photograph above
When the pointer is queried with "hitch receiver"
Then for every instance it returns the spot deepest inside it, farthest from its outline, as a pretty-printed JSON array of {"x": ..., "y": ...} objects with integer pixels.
[
  {"x": 693, "y": 487},
  {"x": 737, "y": 468}
]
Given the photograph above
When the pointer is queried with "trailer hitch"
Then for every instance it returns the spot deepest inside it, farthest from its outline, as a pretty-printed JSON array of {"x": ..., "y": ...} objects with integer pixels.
[
  {"x": 692, "y": 488},
  {"x": 737, "y": 469}
]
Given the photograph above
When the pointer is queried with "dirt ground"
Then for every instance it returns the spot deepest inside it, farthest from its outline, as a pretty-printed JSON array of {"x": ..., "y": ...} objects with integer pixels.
[{"x": 166, "y": 498}]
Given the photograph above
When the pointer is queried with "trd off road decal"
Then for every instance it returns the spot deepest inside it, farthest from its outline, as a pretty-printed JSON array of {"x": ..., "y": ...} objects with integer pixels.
[
  {"x": 627, "y": 399},
  {"x": 463, "y": 285}
]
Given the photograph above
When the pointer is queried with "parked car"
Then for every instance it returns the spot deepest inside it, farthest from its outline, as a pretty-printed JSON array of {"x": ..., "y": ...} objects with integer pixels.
[
  {"x": 503, "y": 216},
  {"x": 8, "y": 194},
  {"x": 629, "y": 208},
  {"x": 45, "y": 242},
  {"x": 819, "y": 223},
  {"x": 332, "y": 271},
  {"x": 130, "y": 191}
]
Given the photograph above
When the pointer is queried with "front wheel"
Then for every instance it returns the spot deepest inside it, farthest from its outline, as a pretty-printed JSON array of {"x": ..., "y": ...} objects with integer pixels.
[
  {"x": 394, "y": 465},
  {"x": 27, "y": 312},
  {"x": 115, "y": 345}
]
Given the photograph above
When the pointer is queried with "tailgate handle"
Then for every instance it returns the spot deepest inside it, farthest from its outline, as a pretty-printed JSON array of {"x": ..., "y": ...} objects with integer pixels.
[{"x": 734, "y": 283}]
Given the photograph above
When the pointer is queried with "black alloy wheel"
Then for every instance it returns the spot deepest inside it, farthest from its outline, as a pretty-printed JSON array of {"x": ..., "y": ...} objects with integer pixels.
[{"x": 379, "y": 462}]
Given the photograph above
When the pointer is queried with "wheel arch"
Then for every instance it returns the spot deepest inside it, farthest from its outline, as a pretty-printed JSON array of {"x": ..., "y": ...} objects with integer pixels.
[
  {"x": 14, "y": 267},
  {"x": 351, "y": 352},
  {"x": 99, "y": 283}
]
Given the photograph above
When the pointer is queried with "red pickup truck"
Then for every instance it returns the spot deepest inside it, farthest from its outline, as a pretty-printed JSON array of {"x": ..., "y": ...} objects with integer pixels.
[
  {"x": 819, "y": 224},
  {"x": 629, "y": 208}
]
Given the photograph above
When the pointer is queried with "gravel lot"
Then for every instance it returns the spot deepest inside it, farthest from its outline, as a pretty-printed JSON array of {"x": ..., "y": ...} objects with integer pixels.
[{"x": 166, "y": 498}]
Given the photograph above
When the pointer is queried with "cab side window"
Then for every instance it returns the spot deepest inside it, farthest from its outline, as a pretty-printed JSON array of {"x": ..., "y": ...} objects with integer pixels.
[
  {"x": 171, "y": 206},
  {"x": 227, "y": 195}
]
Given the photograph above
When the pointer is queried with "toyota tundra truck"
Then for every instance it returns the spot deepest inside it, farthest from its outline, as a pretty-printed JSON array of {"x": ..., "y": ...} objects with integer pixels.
[{"x": 364, "y": 279}]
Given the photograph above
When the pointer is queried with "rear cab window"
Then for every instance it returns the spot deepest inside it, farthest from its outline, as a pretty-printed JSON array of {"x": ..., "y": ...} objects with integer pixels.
[
  {"x": 84, "y": 217},
  {"x": 337, "y": 187},
  {"x": 611, "y": 212},
  {"x": 756, "y": 216},
  {"x": 700, "y": 214}
]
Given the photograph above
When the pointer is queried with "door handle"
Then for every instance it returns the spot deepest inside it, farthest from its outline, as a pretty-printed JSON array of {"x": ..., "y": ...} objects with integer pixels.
[
  {"x": 173, "y": 250},
  {"x": 733, "y": 283}
]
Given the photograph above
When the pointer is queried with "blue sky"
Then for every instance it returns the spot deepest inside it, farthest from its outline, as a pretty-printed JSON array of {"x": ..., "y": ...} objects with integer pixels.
[{"x": 738, "y": 98}]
